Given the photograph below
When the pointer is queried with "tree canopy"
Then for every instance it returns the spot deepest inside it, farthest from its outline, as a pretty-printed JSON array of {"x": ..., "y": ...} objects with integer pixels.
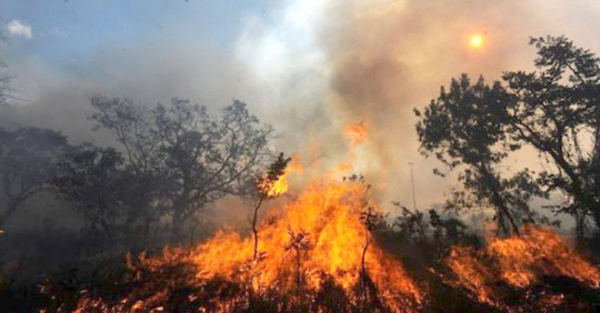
[
  {"x": 555, "y": 110},
  {"x": 29, "y": 158},
  {"x": 191, "y": 157}
]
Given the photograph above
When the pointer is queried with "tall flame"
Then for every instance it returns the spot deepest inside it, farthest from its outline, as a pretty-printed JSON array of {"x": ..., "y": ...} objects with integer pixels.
[{"x": 328, "y": 213}]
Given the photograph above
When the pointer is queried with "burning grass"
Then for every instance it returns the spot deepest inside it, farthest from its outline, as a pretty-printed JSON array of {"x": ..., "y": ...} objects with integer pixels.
[
  {"x": 310, "y": 259},
  {"x": 319, "y": 254},
  {"x": 521, "y": 264}
]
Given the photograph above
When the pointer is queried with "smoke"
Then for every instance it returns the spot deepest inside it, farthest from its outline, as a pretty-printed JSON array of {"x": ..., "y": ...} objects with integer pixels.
[
  {"x": 342, "y": 62},
  {"x": 389, "y": 57},
  {"x": 310, "y": 68}
]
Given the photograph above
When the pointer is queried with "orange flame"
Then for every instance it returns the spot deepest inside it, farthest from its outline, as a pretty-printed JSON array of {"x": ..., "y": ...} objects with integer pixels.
[
  {"x": 329, "y": 215},
  {"x": 281, "y": 186},
  {"x": 357, "y": 133},
  {"x": 333, "y": 237},
  {"x": 330, "y": 251},
  {"x": 519, "y": 261}
]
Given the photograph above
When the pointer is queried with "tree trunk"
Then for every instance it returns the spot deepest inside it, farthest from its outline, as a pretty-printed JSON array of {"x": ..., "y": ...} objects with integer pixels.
[
  {"x": 579, "y": 225},
  {"x": 176, "y": 225},
  {"x": 298, "y": 279},
  {"x": 255, "y": 226},
  {"x": 493, "y": 185},
  {"x": 364, "y": 292},
  {"x": 595, "y": 209}
]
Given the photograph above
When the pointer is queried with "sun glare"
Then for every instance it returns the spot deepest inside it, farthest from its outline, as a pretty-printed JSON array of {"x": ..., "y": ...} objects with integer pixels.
[{"x": 476, "y": 41}]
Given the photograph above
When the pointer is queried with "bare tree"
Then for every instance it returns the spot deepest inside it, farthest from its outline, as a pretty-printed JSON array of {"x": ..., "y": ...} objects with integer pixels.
[
  {"x": 299, "y": 243},
  {"x": 370, "y": 219}
]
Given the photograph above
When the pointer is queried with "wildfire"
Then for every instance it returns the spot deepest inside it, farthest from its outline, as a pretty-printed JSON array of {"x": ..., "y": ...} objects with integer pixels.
[
  {"x": 317, "y": 254},
  {"x": 316, "y": 244},
  {"x": 328, "y": 215},
  {"x": 519, "y": 261}
]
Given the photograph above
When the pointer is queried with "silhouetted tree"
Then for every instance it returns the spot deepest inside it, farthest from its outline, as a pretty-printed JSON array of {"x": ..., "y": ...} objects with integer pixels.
[
  {"x": 410, "y": 224},
  {"x": 105, "y": 191},
  {"x": 370, "y": 219},
  {"x": 299, "y": 243},
  {"x": 556, "y": 110},
  {"x": 450, "y": 228},
  {"x": 465, "y": 126},
  {"x": 5, "y": 87},
  {"x": 266, "y": 189},
  {"x": 29, "y": 158},
  {"x": 192, "y": 158}
]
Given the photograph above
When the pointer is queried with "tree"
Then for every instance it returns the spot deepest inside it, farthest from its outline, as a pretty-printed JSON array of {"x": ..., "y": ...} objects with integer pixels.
[
  {"x": 29, "y": 158},
  {"x": 266, "y": 187},
  {"x": 370, "y": 219},
  {"x": 464, "y": 126},
  {"x": 106, "y": 192},
  {"x": 556, "y": 110},
  {"x": 452, "y": 228},
  {"x": 192, "y": 158},
  {"x": 410, "y": 224},
  {"x": 299, "y": 242}
]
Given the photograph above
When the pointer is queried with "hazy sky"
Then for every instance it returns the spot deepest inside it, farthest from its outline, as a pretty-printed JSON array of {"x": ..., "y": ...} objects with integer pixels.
[{"x": 309, "y": 67}]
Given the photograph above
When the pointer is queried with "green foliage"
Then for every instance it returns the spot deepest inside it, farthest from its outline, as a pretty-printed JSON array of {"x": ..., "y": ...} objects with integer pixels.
[
  {"x": 433, "y": 228},
  {"x": 464, "y": 124}
]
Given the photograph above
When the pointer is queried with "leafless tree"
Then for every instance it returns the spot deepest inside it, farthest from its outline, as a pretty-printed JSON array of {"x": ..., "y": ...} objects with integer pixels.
[{"x": 299, "y": 243}]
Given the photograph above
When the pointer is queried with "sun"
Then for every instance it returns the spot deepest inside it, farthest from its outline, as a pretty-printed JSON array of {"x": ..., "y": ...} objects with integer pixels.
[{"x": 476, "y": 41}]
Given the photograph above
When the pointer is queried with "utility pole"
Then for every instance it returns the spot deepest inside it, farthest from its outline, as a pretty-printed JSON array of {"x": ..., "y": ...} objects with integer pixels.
[{"x": 412, "y": 183}]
